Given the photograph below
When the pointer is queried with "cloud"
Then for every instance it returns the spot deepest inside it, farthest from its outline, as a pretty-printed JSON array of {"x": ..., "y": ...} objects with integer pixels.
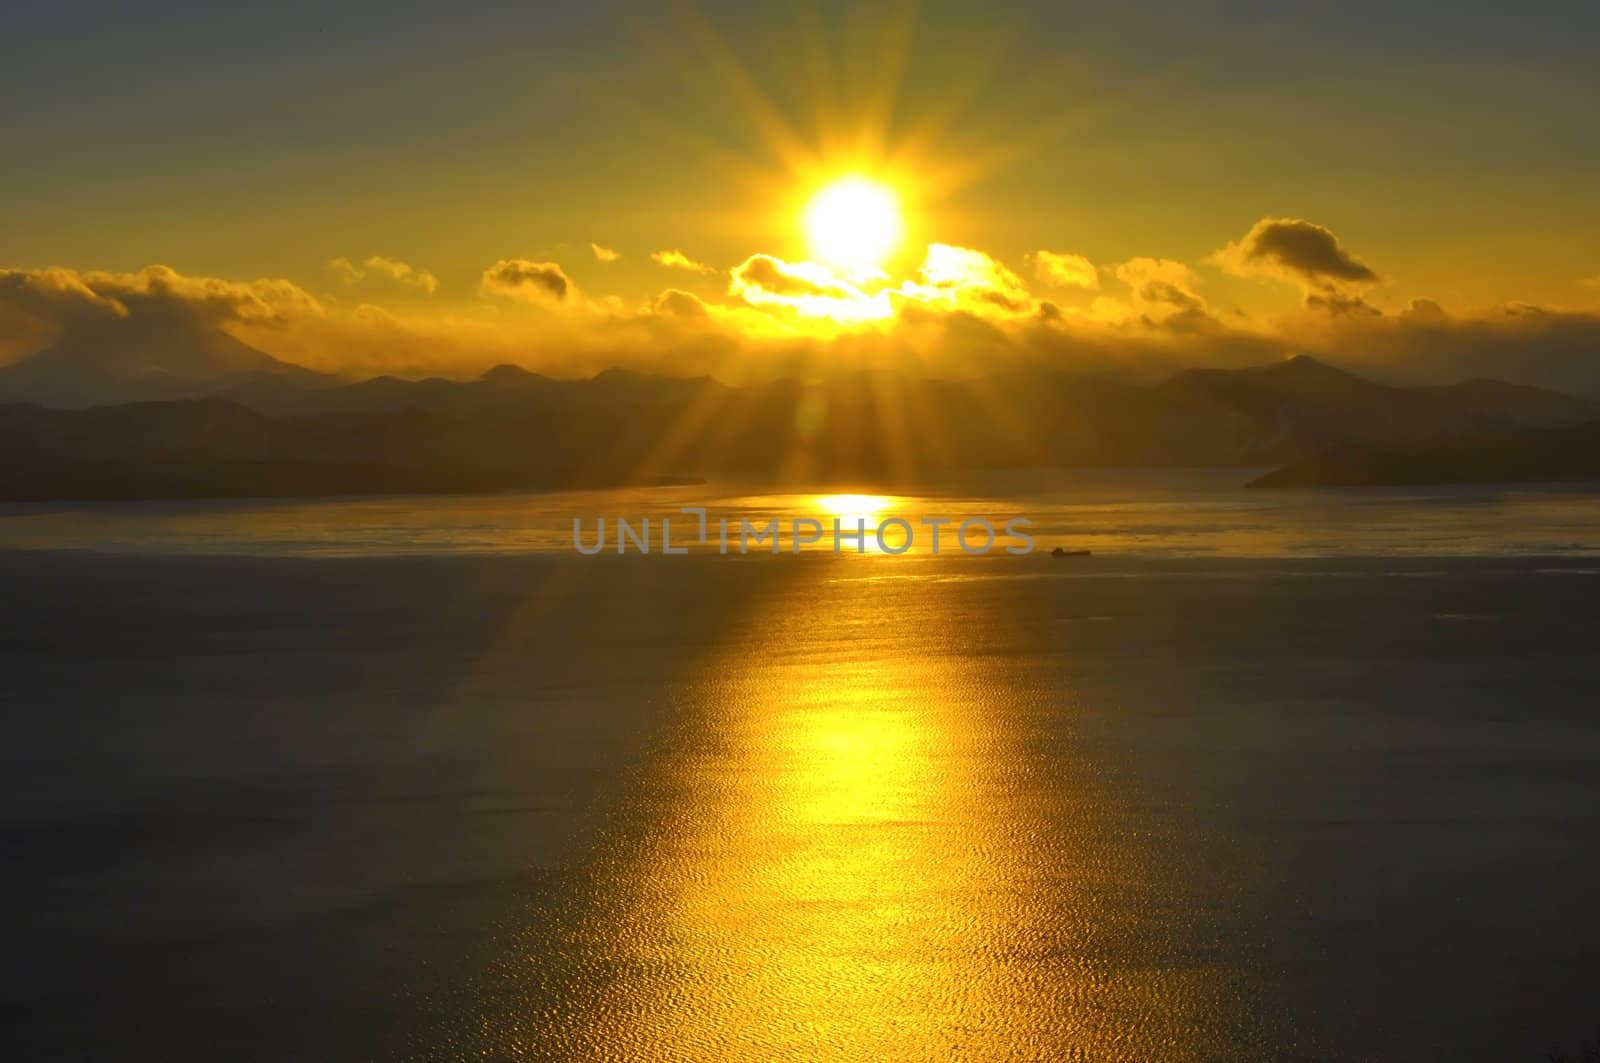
[
  {"x": 806, "y": 289},
  {"x": 405, "y": 274},
  {"x": 36, "y": 305},
  {"x": 679, "y": 304},
  {"x": 1592, "y": 282},
  {"x": 1065, "y": 270},
  {"x": 1298, "y": 251},
  {"x": 763, "y": 275},
  {"x": 1424, "y": 311},
  {"x": 45, "y": 291},
  {"x": 152, "y": 321},
  {"x": 969, "y": 280},
  {"x": 67, "y": 295},
  {"x": 345, "y": 270},
  {"x": 950, "y": 281},
  {"x": 604, "y": 254},
  {"x": 676, "y": 259},
  {"x": 1547, "y": 346},
  {"x": 963, "y": 312},
  {"x": 521, "y": 279},
  {"x": 1160, "y": 286},
  {"x": 1334, "y": 301},
  {"x": 392, "y": 269}
]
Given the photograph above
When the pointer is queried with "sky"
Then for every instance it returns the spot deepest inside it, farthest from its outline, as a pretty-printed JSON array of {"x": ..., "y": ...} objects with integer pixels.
[{"x": 565, "y": 186}]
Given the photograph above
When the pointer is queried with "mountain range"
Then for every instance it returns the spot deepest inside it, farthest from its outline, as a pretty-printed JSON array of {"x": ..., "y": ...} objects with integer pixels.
[
  {"x": 221, "y": 419},
  {"x": 143, "y": 357}
]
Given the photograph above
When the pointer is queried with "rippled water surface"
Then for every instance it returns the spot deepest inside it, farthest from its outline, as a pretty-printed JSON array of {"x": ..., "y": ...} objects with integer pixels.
[
  {"x": 1203, "y": 513},
  {"x": 859, "y": 836},
  {"x": 550, "y": 807}
]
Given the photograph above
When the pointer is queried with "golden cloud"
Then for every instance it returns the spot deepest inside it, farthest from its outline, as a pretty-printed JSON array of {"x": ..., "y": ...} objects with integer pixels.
[
  {"x": 676, "y": 259},
  {"x": 961, "y": 278},
  {"x": 1159, "y": 287},
  {"x": 679, "y": 304},
  {"x": 390, "y": 268},
  {"x": 1066, "y": 270},
  {"x": 962, "y": 313},
  {"x": 806, "y": 289}
]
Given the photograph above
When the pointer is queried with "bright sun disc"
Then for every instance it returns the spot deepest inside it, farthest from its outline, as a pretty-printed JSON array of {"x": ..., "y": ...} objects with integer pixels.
[{"x": 853, "y": 223}]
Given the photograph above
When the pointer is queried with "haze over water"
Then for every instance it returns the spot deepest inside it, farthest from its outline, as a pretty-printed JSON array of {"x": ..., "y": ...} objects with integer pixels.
[
  {"x": 511, "y": 803},
  {"x": 1126, "y": 513}
]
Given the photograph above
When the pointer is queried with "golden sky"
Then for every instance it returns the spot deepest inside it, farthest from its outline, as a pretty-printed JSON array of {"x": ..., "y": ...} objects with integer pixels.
[{"x": 750, "y": 190}]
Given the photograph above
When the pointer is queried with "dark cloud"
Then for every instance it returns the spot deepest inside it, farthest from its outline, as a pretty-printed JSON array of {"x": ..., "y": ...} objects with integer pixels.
[
  {"x": 1425, "y": 311},
  {"x": 1335, "y": 302},
  {"x": 1297, "y": 250},
  {"x": 520, "y": 278}
]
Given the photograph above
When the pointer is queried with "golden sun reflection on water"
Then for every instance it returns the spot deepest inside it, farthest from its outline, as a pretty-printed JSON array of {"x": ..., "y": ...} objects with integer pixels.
[
  {"x": 855, "y": 507},
  {"x": 859, "y": 513},
  {"x": 848, "y": 850}
]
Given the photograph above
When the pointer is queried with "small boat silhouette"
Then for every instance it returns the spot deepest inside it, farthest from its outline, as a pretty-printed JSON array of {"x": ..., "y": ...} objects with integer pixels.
[{"x": 1060, "y": 552}]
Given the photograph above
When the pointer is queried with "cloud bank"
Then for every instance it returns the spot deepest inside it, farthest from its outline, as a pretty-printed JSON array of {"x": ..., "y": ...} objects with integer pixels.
[{"x": 959, "y": 312}]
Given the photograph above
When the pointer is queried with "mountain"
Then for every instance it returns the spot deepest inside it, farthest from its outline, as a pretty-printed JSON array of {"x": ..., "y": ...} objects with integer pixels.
[
  {"x": 501, "y": 390},
  {"x": 1300, "y": 407},
  {"x": 868, "y": 423},
  {"x": 1518, "y": 404},
  {"x": 143, "y": 358},
  {"x": 1503, "y": 455},
  {"x": 201, "y": 448},
  {"x": 276, "y": 433},
  {"x": 146, "y": 431}
]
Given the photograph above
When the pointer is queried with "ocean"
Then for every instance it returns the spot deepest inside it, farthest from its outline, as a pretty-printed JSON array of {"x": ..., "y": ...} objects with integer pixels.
[{"x": 1268, "y": 776}]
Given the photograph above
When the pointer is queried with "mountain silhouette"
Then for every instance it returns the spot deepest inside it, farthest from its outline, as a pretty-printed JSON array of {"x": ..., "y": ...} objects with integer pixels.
[
  {"x": 146, "y": 356},
  {"x": 1303, "y": 406},
  {"x": 1519, "y": 404},
  {"x": 1502, "y": 455},
  {"x": 272, "y": 431}
]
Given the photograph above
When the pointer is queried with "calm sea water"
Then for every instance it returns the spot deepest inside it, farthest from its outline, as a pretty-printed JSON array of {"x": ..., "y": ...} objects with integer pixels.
[
  {"x": 1131, "y": 513},
  {"x": 1214, "y": 793}
]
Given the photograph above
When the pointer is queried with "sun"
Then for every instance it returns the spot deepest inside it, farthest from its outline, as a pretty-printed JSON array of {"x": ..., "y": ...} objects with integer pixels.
[{"x": 854, "y": 223}]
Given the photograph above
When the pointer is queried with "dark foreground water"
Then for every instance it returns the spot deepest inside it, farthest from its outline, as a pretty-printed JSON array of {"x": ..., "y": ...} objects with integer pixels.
[{"x": 798, "y": 808}]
